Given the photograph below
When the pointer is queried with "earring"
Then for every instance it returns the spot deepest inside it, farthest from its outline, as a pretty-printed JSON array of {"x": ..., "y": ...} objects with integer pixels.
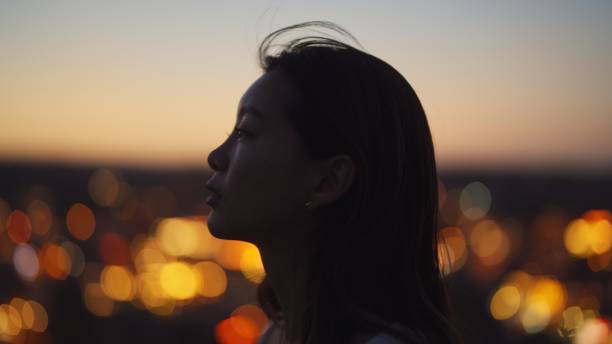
[{"x": 308, "y": 204}]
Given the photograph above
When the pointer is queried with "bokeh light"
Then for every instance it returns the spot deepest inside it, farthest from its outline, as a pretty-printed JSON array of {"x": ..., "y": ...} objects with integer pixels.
[
  {"x": 236, "y": 330},
  {"x": 179, "y": 280},
  {"x": 25, "y": 260},
  {"x": 118, "y": 283},
  {"x": 545, "y": 298},
  {"x": 34, "y": 316},
  {"x": 153, "y": 296},
  {"x": 171, "y": 266},
  {"x": 475, "y": 200},
  {"x": 55, "y": 261},
  {"x": 230, "y": 254},
  {"x": 490, "y": 242},
  {"x": 96, "y": 301},
  {"x": 593, "y": 331},
  {"x": 77, "y": 257},
  {"x": 114, "y": 249},
  {"x": 81, "y": 221},
  {"x": 535, "y": 317},
  {"x": 505, "y": 302},
  {"x": 212, "y": 279},
  {"x": 254, "y": 314},
  {"x": 10, "y": 320},
  {"x": 571, "y": 320},
  {"x": 40, "y": 216},
  {"x": 186, "y": 237},
  {"x": 521, "y": 280},
  {"x": 179, "y": 237},
  {"x": 600, "y": 262},
  {"x": 584, "y": 238},
  {"x": 104, "y": 187},
  {"x": 149, "y": 258},
  {"x": 18, "y": 227},
  {"x": 251, "y": 265}
]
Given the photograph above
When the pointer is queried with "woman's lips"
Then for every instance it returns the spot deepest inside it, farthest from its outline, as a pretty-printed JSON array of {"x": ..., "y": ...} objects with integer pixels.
[{"x": 213, "y": 199}]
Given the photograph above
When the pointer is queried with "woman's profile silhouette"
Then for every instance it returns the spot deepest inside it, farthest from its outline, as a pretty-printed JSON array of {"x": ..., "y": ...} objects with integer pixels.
[{"x": 330, "y": 171}]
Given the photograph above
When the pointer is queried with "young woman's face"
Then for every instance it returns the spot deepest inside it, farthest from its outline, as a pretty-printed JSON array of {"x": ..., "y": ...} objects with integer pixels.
[{"x": 260, "y": 171}]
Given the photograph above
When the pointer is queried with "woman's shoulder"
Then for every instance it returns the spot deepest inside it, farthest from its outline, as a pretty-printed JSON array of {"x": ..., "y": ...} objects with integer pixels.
[
  {"x": 384, "y": 338},
  {"x": 270, "y": 334}
]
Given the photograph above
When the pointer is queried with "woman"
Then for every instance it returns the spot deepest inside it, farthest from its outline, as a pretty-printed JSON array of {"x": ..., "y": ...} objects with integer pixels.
[{"x": 330, "y": 171}]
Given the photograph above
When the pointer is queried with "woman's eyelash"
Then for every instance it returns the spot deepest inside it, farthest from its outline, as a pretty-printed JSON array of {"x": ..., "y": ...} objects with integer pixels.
[{"x": 237, "y": 130}]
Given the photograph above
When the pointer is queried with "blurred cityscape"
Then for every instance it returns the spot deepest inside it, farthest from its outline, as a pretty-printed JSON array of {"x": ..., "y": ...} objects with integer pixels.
[{"x": 113, "y": 255}]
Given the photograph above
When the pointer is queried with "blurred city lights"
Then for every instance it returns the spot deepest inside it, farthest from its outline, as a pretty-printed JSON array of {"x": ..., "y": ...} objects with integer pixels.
[
  {"x": 104, "y": 187},
  {"x": 255, "y": 314},
  {"x": 236, "y": 330},
  {"x": 593, "y": 331},
  {"x": 490, "y": 242},
  {"x": 149, "y": 258},
  {"x": 251, "y": 265},
  {"x": 114, "y": 249},
  {"x": 25, "y": 260},
  {"x": 153, "y": 296},
  {"x": 118, "y": 283},
  {"x": 18, "y": 227},
  {"x": 572, "y": 319},
  {"x": 547, "y": 290},
  {"x": 230, "y": 254},
  {"x": 590, "y": 235},
  {"x": 505, "y": 302},
  {"x": 178, "y": 280},
  {"x": 600, "y": 262},
  {"x": 96, "y": 301},
  {"x": 536, "y": 301},
  {"x": 535, "y": 317},
  {"x": 55, "y": 261},
  {"x": 40, "y": 216},
  {"x": 172, "y": 261},
  {"x": 212, "y": 281},
  {"x": 20, "y": 316},
  {"x": 77, "y": 257},
  {"x": 475, "y": 200},
  {"x": 35, "y": 316},
  {"x": 244, "y": 325},
  {"x": 10, "y": 320},
  {"x": 81, "y": 221},
  {"x": 179, "y": 237}
]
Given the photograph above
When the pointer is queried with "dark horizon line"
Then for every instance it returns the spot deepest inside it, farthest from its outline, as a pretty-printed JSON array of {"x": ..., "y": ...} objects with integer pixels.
[{"x": 542, "y": 171}]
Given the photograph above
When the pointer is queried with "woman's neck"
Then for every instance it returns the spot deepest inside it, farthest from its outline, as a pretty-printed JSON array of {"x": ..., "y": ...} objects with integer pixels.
[{"x": 286, "y": 264}]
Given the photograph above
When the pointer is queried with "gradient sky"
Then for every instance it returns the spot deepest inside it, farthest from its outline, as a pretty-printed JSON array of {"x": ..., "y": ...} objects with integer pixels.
[{"x": 505, "y": 84}]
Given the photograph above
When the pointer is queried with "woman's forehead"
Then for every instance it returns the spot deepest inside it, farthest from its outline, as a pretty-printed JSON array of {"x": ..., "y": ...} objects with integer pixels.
[{"x": 268, "y": 96}]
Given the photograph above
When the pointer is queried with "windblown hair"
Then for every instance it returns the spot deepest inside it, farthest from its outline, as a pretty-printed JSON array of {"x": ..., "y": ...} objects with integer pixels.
[{"x": 376, "y": 265}]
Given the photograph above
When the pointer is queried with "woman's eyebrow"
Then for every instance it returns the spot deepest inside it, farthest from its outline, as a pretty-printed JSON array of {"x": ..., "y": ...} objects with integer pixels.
[{"x": 251, "y": 110}]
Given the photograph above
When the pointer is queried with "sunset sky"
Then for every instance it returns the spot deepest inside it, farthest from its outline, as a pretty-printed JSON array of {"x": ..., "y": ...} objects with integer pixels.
[{"x": 505, "y": 84}]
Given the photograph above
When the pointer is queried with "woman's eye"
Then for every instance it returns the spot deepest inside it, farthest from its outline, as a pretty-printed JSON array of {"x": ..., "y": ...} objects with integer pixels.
[{"x": 239, "y": 132}]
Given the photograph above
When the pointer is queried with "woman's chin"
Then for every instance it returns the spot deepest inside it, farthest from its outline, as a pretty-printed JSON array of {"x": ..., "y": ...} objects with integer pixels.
[
  {"x": 219, "y": 229},
  {"x": 214, "y": 227}
]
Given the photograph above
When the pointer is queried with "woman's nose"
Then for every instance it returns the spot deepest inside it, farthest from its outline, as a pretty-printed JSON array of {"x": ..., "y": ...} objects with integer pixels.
[{"x": 215, "y": 160}]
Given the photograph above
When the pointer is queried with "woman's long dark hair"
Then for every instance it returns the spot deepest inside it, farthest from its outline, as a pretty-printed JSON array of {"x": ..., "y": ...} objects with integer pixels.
[{"x": 376, "y": 261}]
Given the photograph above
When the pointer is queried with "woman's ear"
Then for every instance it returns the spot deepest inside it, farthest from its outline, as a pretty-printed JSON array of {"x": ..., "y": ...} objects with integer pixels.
[{"x": 335, "y": 176}]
